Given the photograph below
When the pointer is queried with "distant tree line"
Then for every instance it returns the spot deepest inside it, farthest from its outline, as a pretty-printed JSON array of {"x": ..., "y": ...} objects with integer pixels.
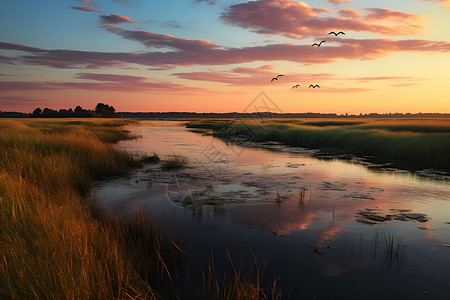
[
  {"x": 101, "y": 111},
  {"x": 262, "y": 115}
]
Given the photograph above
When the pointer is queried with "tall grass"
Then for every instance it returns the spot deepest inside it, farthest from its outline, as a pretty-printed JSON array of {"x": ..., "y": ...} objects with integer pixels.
[
  {"x": 52, "y": 245},
  {"x": 412, "y": 146}
]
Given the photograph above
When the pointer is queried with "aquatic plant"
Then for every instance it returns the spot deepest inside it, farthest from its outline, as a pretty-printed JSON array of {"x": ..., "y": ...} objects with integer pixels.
[{"x": 174, "y": 162}]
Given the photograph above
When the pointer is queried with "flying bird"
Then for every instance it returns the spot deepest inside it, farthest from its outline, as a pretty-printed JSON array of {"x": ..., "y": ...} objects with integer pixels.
[
  {"x": 314, "y": 86},
  {"x": 275, "y": 78},
  {"x": 295, "y": 86},
  {"x": 336, "y": 34},
  {"x": 318, "y": 45}
]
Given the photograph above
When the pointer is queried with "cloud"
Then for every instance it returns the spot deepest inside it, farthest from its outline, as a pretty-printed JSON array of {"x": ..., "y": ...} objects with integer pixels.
[
  {"x": 123, "y": 2},
  {"x": 15, "y": 101},
  {"x": 116, "y": 19},
  {"x": 339, "y": 1},
  {"x": 186, "y": 52},
  {"x": 120, "y": 86},
  {"x": 172, "y": 24},
  {"x": 88, "y": 9},
  {"x": 349, "y": 12},
  {"x": 210, "y": 2},
  {"x": 154, "y": 40},
  {"x": 242, "y": 76},
  {"x": 299, "y": 20},
  {"x": 110, "y": 77},
  {"x": 7, "y": 60},
  {"x": 83, "y": 2}
]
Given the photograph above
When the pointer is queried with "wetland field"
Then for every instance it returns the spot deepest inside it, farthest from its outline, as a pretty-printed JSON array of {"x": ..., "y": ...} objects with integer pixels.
[{"x": 225, "y": 209}]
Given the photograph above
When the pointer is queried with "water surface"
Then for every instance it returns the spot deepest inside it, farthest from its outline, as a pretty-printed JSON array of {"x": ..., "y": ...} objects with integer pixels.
[{"x": 315, "y": 222}]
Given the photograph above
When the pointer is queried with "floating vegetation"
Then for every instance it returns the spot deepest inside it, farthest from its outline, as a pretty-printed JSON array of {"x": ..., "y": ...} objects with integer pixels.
[
  {"x": 174, "y": 162},
  {"x": 371, "y": 216}
]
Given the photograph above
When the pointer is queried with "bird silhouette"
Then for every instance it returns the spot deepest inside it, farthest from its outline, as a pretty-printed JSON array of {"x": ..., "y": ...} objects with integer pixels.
[
  {"x": 336, "y": 34},
  {"x": 275, "y": 78},
  {"x": 314, "y": 86},
  {"x": 295, "y": 86},
  {"x": 318, "y": 45}
]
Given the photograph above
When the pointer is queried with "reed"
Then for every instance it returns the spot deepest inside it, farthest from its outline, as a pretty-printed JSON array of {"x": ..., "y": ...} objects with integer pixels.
[
  {"x": 174, "y": 162},
  {"x": 53, "y": 244},
  {"x": 409, "y": 144}
]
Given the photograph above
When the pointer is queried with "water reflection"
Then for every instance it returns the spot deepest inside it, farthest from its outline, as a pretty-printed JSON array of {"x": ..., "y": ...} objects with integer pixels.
[{"x": 314, "y": 221}]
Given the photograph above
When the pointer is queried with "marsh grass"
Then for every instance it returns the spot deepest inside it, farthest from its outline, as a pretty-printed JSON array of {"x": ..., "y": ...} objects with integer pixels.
[
  {"x": 150, "y": 159},
  {"x": 239, "y": 281},
  {"x": 174, "y": 162},
  {"x": 395, "y": 250},
  {"x": 53, "y": 244},
  {"x": 412, "y": 144}
]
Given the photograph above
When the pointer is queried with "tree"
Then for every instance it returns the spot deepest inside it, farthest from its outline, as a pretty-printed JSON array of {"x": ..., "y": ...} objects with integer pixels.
[
  {"x": 37, "y": 112},
  {"x": 105, "y": 111}
]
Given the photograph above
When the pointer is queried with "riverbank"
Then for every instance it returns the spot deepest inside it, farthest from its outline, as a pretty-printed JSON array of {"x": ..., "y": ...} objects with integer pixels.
[
  {"x": 404, "y": 143},
  {"x": 53, "y": 244}
]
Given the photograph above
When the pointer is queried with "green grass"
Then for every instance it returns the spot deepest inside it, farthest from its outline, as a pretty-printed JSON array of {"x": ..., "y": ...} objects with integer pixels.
[{"x": 412, "y": 145}]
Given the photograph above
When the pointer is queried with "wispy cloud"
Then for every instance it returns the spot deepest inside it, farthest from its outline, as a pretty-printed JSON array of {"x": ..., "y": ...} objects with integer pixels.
[
  {"x": 210, "y": 2},
  {"x": 120, "y": 86},
  {"x": 243, "y": 76},
  {"x": 299, "y": 20},
  {"x": 110, "y": 77},
  {"x": 116, "y": 19},
  {"x": 88, "y": 9},
  {"x": 7, "y": 60},
  {"x": 339, "y": 1}
]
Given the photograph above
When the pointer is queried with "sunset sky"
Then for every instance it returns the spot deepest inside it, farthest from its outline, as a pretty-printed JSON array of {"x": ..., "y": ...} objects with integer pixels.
[{"x": 217, "y": 55}]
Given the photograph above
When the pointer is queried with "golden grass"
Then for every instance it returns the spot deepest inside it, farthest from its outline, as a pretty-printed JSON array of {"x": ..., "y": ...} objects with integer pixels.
[{"x": 51, "y": 245}]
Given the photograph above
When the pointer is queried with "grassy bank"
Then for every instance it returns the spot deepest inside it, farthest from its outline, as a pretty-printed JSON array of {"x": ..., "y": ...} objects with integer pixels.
[
  {"x": 412, "y": 144},
  {"x": 53, "y": 245}
]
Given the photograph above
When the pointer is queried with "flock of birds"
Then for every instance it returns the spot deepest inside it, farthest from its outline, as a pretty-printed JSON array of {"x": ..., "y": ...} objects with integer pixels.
[{"x": 318, "y": 45}]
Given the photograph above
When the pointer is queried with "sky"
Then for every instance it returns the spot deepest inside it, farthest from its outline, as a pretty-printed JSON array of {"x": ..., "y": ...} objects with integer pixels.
[{"x": 219, "y": 56}]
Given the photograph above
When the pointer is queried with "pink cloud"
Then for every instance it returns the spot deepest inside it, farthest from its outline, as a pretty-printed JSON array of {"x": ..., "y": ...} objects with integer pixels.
[
  {"x": 199, "y": 52},
  {"x": 339, "y": 1},
  {"x": 242, "y": 76},
  {"x": 130, "y": 87},
  {"x": 349, "y": 12},
  {"x": 87, "y": 9},
  {"x": 299, "y": 20},
  {"x": 116, "y": 19},
  {"x": 110, "y": 77}
]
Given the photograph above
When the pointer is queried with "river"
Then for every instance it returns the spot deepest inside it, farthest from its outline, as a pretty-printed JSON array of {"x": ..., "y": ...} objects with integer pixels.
[{"x": 327, "y": 228}]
